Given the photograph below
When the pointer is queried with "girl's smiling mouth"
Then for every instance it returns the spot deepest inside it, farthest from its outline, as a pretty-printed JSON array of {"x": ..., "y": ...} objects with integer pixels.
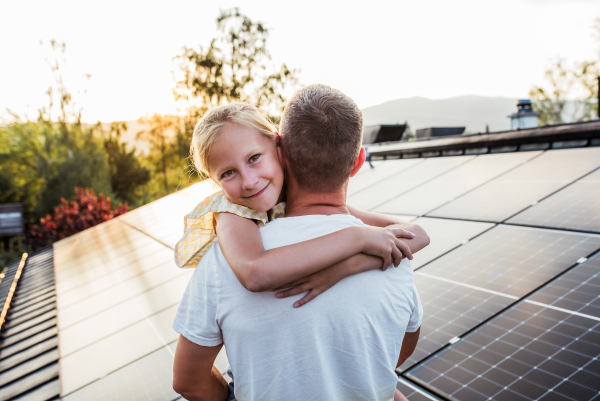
[{"x": 259, "y": 192}]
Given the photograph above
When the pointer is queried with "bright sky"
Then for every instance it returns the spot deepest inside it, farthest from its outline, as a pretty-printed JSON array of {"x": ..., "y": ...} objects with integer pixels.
[{"x": 373, "y": 50}]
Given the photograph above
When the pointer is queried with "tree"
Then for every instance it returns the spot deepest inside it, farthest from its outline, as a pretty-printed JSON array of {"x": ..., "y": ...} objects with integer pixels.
[
  {"x": 162, "y": 128},
  {"x": 233, "y": 67},
  {"x": 565, "y": 83},
  {"x": 127, "y": 176}
]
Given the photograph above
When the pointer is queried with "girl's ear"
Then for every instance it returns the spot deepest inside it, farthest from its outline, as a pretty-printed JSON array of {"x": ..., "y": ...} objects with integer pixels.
[{"x": 359, "y": 162}]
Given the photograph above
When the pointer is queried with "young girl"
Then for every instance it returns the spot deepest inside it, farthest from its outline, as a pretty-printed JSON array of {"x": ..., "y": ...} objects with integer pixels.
[{"x": 236, "y": 146}]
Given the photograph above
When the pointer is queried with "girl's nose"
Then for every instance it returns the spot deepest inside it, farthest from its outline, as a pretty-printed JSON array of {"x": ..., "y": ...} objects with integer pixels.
[{"x": 250, "y": 181}]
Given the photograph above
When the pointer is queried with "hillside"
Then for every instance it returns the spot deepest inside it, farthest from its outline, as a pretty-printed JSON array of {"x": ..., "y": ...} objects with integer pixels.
[{"x": 471, "y": 111}]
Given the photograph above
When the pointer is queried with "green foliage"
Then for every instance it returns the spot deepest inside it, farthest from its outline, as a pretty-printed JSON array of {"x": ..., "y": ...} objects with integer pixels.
[
  {"x": 127, "y": 176},
  {"x": 235, "y": 66},
  {"x": 563, "y": 83}
]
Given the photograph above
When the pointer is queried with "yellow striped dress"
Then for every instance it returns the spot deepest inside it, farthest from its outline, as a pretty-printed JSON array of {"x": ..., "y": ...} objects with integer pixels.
[{"x": 199, "y": 229}]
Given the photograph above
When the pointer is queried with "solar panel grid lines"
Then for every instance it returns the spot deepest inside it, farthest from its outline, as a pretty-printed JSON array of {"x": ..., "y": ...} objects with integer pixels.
[
  {"x": 529, "y": 352},
  {"x": 379, "y": 194},
  {"x": 458, "y": 181},
  {"x": 578, "y": 290},
  {"x": 507, "y": 195},
  {"x": 450, "y": 310},
  {"x": 455, "y": 306},
  {"x": 575, "y": 207},
  {"x": 517, "y": 259},
  {"x": 372, "y": 176}
]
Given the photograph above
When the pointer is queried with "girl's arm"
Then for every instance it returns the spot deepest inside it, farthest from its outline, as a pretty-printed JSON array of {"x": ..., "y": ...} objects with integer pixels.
[
  {"x": 322, "y": 280},
  {"x": 261, "y": 270},
  {"x": 420, "y": 240}
]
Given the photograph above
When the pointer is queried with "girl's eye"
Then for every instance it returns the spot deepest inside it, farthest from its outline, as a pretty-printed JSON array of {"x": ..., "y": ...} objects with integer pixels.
[
  {"x": 227, "y": 174},
  {"x": 254, "y": 158}
]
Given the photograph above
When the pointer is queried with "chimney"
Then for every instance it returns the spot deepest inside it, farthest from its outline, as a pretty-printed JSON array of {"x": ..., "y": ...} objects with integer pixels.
[{"x": 525, "y": 117}]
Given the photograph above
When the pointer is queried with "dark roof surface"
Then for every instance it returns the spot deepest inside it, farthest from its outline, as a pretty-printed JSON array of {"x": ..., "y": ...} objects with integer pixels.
[{"x": 28, "y": 339}]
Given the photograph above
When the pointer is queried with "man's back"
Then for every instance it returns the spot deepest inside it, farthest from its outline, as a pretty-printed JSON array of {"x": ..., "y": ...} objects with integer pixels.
[{"x": 342, "y": 345}]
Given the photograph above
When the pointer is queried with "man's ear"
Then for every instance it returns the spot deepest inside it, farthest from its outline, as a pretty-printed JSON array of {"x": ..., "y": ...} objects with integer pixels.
[
  {"x": 359, "y": 162},
  {"x": 280, "y": 157}
]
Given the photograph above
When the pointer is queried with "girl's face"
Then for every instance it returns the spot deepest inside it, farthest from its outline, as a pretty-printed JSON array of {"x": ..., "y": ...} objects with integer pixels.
[{"x": 244, "y": 164}]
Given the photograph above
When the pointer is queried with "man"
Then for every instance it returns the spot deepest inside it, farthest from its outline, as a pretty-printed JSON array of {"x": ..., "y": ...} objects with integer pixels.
[{"x": 343, "y": 345}]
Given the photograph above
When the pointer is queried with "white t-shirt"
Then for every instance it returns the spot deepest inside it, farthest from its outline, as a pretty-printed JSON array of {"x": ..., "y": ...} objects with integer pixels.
[{"x": 343, "y": 345}]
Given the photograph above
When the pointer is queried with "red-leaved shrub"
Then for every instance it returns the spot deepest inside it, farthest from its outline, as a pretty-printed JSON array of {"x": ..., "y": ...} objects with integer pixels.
[{"x": 85, "y": 210}]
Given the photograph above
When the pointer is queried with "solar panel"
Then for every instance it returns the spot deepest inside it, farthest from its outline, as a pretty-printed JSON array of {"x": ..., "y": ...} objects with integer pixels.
[
  {"x": 117, "y": 350},
  {"x": 381, "y": 192},
  {"x": 149, "y": 378},
  {"x": 88, "y": 306},
  {"x": 577, "y": 207},
  {"x": 458, "y": 181},
  {"x": 445, "y": 235},
  {"x": 380, "y": 172},
  {"x": 512, "y": 192},
  {"x": 477, "y": 280},
  {"x": 450, "y": 309},
  {"x": 527, "y": 353},
  {"x": 578, "y": 290},
  {"x": 513, "y": 260}
]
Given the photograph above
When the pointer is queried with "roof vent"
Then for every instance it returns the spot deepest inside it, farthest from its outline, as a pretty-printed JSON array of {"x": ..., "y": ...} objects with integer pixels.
[{"x": 525, "y": 117}]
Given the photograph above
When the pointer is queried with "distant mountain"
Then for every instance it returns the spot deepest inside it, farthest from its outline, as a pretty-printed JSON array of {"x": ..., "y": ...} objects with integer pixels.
[{"x": 473, "y": 112}]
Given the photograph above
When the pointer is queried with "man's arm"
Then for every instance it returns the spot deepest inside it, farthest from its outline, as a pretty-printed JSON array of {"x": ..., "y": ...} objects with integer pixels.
[
  {"x": 409, "y": 343},
  {"x": 194, "y": 375}
]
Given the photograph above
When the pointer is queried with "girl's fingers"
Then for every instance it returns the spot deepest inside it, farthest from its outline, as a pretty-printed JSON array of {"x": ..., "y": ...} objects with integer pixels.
[
  {"x": 387, "y": 260},
  {"x": 397, "y": 257},
  {"x": 307, "y": 298},
  {"x": 404, "y": 249},
  {"x": 402, "y": 233}
]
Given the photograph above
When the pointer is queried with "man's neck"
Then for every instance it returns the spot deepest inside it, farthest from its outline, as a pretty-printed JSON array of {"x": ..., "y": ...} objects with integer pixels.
[{"x": 302, "y": 203}]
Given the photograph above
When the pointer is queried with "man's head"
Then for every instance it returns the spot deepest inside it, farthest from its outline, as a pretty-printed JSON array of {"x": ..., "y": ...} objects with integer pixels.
[{"x": 321, "y": 136}]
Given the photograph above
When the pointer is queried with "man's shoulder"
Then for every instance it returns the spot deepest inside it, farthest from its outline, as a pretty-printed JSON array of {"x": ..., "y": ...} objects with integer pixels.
[
  {"x": 291, "y": 230},
  {"x": 310, "y": 219}
]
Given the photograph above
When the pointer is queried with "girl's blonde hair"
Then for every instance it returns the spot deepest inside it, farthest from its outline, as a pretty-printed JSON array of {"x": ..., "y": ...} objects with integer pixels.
[{"x": 212, "y": 124}]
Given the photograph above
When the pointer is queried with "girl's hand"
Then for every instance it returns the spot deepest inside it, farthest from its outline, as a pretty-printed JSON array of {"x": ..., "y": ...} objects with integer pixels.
[
  {"x": 385, "y": 243},
  {"x": 315, "y": 284}
]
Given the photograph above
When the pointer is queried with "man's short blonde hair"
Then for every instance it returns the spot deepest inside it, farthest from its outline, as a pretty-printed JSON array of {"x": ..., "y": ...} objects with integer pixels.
[
  {"x": 212, "y": 124},
  {"x": 321, "y": 136}
]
